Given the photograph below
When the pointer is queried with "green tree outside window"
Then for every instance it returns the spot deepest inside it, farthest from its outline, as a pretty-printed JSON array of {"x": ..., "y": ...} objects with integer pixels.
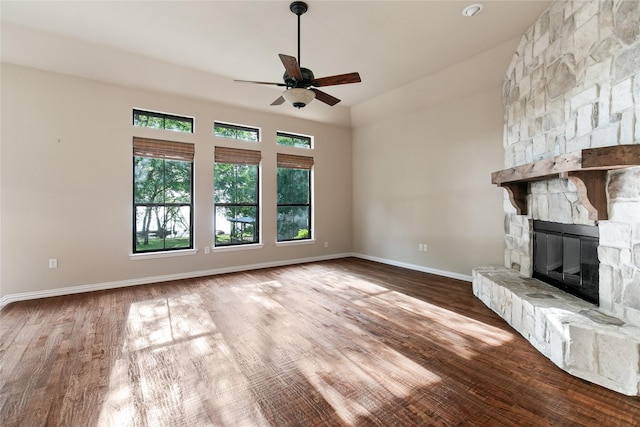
[{"x": 163, "y": 204}]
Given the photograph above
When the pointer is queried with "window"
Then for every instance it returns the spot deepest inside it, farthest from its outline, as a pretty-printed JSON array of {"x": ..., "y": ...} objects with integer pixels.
[
  {"x": 294, "y": 197},
  {"x": 150, "y": 119},
  {"x": 236, "y": 192},
  {"x": 226, "y": 130},
  {"x": 162, "y": 196},
  {"x": 292, "y": 140}
]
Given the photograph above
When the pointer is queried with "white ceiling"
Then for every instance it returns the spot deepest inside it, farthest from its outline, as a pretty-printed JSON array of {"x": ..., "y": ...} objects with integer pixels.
[{"x": 390, "y": 43}]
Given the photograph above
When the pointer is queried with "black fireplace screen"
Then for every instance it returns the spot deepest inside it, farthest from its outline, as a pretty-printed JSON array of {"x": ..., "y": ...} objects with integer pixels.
[{"x": 566, "y": 256}]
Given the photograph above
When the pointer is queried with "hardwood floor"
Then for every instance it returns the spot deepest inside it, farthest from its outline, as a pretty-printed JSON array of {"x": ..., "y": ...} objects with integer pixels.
[{"x": 338, "y": 343}]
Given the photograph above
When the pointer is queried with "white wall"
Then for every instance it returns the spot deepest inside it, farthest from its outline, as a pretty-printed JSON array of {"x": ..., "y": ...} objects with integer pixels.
[
  {"x": 422, "y": 162},
  {"x": 419, "y": 173},
  {"x": 66, "y": 183}
]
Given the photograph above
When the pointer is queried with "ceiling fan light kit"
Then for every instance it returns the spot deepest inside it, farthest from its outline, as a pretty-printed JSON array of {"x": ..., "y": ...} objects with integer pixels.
[
  {"x": 299, "y": 81},
  {"x": 298, "y": 97}
]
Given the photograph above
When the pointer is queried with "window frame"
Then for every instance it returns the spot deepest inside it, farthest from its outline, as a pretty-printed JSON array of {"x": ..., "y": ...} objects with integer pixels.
[
  {"x": 238, "y": 157},
  {"x": 295, "y": 162},
  {"x": 163, "y": 150},
  {"x": 164, "y": 117},
  {"x": 292, "y": 136},
  {"x": 237, "y": 127}
]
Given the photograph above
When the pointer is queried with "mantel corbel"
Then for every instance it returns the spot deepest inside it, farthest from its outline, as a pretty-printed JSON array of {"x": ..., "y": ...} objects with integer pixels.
[
  {"x": 592, "y": 191},
  {"x": 587, "y": 169}
]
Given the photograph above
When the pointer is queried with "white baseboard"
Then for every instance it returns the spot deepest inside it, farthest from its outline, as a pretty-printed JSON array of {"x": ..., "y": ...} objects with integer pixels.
[
  {"x": 421, "y": 268},
  {"x": 24, "y": 296}
]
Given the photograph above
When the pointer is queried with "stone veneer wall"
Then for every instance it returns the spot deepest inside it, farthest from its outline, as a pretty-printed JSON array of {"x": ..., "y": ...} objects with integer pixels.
[{"x": 574, "y": 83}]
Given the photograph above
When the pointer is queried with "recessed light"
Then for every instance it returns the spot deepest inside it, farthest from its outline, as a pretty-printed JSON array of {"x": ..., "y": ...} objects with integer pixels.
[{"x": 472, "y": 10}]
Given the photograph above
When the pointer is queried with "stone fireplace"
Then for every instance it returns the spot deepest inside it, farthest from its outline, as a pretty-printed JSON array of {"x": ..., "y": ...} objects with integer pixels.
[{"x": 573, "y": 87}]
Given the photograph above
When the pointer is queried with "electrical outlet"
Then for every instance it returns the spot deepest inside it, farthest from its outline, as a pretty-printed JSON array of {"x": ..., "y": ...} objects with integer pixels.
[
  {"x": 206, "y": 250},
  {"x": 420, "y": 247},
  {"x": 53, "y": 263},
  {"x": 326, "y": 244},
  {"x": 424, "y": 247}
]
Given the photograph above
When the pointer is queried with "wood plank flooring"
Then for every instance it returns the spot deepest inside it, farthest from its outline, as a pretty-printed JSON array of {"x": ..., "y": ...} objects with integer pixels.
[{"x": 347, "y": 342}]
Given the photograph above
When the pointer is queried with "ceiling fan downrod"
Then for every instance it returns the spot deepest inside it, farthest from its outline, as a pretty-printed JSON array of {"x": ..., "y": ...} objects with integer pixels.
[{"x": 298, "y": 8}]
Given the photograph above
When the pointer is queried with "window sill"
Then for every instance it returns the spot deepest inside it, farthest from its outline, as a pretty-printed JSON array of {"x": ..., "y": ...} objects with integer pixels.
[
  {"x": 237, "y": 247},
  {"x": 297, "y": 242},
  {"x": 167, "y": 254}
]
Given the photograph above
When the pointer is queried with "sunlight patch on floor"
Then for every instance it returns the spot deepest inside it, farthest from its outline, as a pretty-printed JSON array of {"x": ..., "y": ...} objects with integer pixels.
[
  {"x": 278, "y": 334},
  {"x": 150, "y": 384},
  {"x": 350, "y": 283},
  {"x": 356, "y": 376},
  {"x": 475, "y": 329},
  {"x": 365, "y": 378}
]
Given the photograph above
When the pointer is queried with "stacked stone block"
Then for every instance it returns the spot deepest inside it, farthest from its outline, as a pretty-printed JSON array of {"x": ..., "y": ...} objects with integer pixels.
[{"x": 619, "y": 250}]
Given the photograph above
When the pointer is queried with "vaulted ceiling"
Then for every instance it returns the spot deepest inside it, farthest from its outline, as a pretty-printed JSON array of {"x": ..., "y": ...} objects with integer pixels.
[{"x": 197, "y": 48}]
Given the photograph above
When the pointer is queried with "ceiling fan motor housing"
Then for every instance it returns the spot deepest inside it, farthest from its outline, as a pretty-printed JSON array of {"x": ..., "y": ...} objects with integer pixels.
[{"x": 307, "y": 79}]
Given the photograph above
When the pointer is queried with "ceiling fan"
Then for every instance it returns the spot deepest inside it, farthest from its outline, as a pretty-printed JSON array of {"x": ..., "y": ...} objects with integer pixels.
[{"x": 300, "y": 82}]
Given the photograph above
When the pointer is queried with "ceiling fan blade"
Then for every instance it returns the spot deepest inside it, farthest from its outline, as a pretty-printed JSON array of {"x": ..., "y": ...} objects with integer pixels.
[
  {"x": 325, "y": 97},
  {"x": 261, "y": 83},
  {"x": 291, "y": 65},
  {"x": 278, "y": 101},
  {"x": 340, "y": 79}
]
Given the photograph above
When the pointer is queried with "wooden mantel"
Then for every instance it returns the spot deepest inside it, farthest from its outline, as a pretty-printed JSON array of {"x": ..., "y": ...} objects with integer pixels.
[{"x": 587, "y": 169}]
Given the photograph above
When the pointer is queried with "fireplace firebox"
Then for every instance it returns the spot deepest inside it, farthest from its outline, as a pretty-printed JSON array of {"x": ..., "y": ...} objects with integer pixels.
[{"x": 566, "y": 256}]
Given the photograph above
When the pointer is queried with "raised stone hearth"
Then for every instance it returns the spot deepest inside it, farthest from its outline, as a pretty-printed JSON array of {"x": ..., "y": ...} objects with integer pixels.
[{"x": 572, "y": 333}]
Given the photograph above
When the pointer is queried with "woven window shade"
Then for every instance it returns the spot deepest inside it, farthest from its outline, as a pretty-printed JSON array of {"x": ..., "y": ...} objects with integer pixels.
[
  {"x": 237, "y": 156},
  {"x": 158, "y": 148},
  {"x": 294, "y": 162}
]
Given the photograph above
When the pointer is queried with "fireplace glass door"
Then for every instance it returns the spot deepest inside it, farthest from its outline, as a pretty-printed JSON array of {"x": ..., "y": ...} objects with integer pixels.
[{"x": 566, "y": 256}]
